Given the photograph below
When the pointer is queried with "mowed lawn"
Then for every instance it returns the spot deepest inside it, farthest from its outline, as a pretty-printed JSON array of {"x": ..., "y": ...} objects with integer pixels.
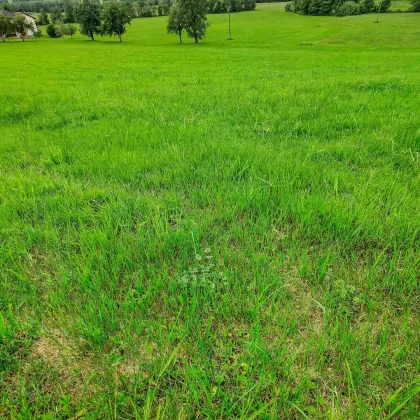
[{"x": 221, "y": 230}]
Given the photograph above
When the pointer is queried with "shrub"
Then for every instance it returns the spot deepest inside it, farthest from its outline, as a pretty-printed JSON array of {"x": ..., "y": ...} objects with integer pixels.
[
  {"x": 163, "y": 8},
  {"x": 302, "y": 6},
  {"x": 223, "y": 6},
  {"x": 367, "y": 6},
  {"x": 348, "y": 8},
  {"x": 249, "y": 5},
  {"x": 289, "y": 7},
  {"x": 38, "y": 34},
  {"x": 51, "y": 31},
  {"x": 385, "y": 5}
]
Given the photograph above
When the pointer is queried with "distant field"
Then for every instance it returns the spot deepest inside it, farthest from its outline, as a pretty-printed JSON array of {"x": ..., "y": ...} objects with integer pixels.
[
  {"x": 400, "y": 5},
  {"x": 222, "y": 230}
]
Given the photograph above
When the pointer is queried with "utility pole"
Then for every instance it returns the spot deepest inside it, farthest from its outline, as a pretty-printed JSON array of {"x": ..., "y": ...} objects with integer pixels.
[{"x": 229, "y": 8}]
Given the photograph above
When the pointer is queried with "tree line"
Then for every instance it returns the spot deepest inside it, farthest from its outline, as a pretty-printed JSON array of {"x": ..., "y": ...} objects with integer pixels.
[
  {"x": 343, "y": 7},
  {"x": 94, "y": 18},
  {"x": 140, "y": 8},
  {"x": 111, "y": 18}
]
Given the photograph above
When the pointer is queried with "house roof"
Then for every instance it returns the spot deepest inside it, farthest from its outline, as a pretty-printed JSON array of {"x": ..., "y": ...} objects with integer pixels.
[
  {"x": 27, "y": 14},
  {"x": 7, "y": 13},
  {"x": 12, "y": 14}
]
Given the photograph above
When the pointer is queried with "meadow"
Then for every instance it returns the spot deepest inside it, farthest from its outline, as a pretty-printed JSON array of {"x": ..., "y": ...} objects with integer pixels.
[
  {"x": 400, "y": 5},
  {"x": 222, "y": 230}
]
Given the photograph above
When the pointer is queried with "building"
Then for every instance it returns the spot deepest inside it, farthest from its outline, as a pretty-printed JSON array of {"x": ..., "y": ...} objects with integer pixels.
[{"x": 28, "y": 18}]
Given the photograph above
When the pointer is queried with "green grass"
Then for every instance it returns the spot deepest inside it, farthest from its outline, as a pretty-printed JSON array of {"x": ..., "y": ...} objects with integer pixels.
[
  {"x": 296, "y": 167},
  {"x": 398, "y": 5},
  {"x": 402, "y": 5}
]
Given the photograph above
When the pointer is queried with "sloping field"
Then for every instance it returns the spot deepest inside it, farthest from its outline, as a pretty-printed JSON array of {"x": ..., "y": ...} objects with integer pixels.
[{"x": 221, "y": 230}]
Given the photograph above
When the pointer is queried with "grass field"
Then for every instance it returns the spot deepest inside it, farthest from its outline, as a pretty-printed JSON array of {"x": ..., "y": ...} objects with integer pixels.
[
  {"x": 402, "y": 5},
  {"x": 221, "y": 230}
]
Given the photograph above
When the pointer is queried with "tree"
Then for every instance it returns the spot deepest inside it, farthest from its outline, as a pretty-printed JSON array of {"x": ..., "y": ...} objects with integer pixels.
[
  {"x": 69, "y": 12},
  {"x": 43, "y": 17},
  {"x": 56, "y": 15},
  {"x": 163, "y": 7},
  {"x": 21, "y": 26},
  {"x": 88, "y": 14},
  {"x": 148, "y": 8},
  {"x": 135, "y": 7},
  {"x": 249, "y": 4},
  {"x": 194, "y": 13},
  {"x": 415, "y": 5},
  {"x": 322, "y": 7},
  {"x": 302, "y": 6},
  {"x": 116, "y": 17},
  {"x": 367, "y": 6},
  {"x": 5, "y": 26},
  {"x": 348, "y": 8},
  {"x": 175, "y": 24},
  {"x": 385, "y": 5},
  {"x": 61, "y": 29},
  {"x": 51, "y": 31},
  {"x": 71, "y": 30}
]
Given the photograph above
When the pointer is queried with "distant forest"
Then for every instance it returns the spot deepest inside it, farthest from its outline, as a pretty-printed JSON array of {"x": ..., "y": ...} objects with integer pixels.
[{"x": 142, "y": 8}]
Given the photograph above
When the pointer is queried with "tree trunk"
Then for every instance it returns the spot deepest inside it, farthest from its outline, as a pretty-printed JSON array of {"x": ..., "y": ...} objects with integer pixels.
[
  {"x": 180, "y": 37},
  {"x": 379, "y": 11},
  {"x": 119, "y": 35},
  {"x": 195, "y": 39},
  {"x": 91, "y": 36}
]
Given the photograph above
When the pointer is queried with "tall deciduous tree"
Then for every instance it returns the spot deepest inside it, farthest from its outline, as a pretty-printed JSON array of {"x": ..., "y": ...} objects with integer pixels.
[
  {"x": 21, "y": 26},
  {"x": 56, "y": 15},
  {"x": 69, "y": 12},
  {"x": 116, "y": 16},
  {"x": 88, "y": 14},
  {"x": 385, "y": 5},
  {"x": 194, "y": 13},
  {"x": 367, "y": 6},
  {"x": 60, "y": 29},
  {"x": 43, "y": 17},
  {"x": 71, "y": 30},
  {"x": 5, "y": 26},
  {"x": 176, "y": 21}
]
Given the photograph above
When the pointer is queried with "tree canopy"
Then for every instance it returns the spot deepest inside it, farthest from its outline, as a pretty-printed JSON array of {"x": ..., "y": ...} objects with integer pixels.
[
  {"x": 176, "y": 22},
  {"x": 337, "y": 7},
  {"x": 69, "y": 12},
  {"x": 195, "y": 20},
  {"x": 116, "y": 16},
  {"x": 88, "y": 14},
  {"x": 5, "y": 26},
  {"x": 415, "y": 5},
  {"x": 20, "y": 25},
  {"x": 43, "y": 18},
  {"x": 56, "y": 15}
]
